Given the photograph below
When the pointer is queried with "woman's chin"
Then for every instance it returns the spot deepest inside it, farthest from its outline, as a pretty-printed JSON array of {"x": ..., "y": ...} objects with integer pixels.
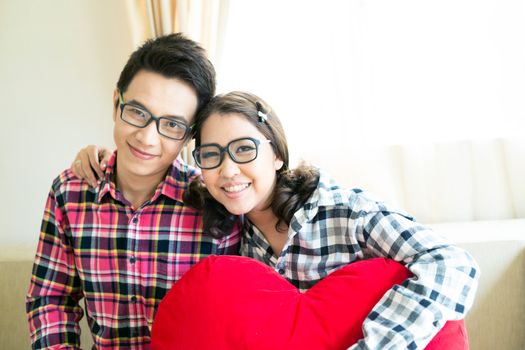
[{"x": 237, "y": 210}]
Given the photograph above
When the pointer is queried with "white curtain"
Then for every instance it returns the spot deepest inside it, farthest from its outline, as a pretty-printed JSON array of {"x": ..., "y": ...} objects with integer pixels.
[
  {"x": 420, "y": 102},
  {"x": 201, "y": 20},
  {"x": 481, "y": 179}
]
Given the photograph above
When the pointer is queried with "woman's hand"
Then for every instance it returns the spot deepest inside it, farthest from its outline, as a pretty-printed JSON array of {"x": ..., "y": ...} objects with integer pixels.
[{"x": 90, "y": 163}]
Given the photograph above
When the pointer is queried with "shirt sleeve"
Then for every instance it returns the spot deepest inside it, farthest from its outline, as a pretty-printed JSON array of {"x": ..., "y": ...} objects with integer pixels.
[
  {"x": 52, "y": 305},
  {"x": 442, "y": 288}
]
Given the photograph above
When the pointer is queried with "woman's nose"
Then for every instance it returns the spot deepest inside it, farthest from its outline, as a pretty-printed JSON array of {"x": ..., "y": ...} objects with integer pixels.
[{"x": 229, "y": 168}]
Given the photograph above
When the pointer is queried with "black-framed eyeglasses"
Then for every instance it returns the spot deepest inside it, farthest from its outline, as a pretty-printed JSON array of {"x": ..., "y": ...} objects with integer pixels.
[
  {"x": 242, "y": 150},
  {"x": 169, "y": 127}
]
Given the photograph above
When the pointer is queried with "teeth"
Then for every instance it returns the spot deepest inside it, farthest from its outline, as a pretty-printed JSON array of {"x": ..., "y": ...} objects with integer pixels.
[{"x": 236, "y": 188}]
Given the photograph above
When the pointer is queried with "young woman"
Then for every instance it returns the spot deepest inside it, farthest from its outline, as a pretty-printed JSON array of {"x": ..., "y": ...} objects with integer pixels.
[{"x": 305, "y": 226}]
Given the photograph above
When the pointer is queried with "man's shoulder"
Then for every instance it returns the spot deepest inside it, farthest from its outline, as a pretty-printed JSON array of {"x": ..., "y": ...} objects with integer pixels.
[
  {"x": 67, "y": 183},
  {"x": 182, "y": 172},
  {"x": 178, "y": 179},
  {"x": 67, "y": 178}
]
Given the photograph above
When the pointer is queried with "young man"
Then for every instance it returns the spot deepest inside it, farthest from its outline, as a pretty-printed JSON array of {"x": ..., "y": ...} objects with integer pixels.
[{"x": 122, "y": 244}]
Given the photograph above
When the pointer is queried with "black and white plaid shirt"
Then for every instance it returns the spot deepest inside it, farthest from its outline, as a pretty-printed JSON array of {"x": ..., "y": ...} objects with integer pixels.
[{"x": 338, "y": 226}]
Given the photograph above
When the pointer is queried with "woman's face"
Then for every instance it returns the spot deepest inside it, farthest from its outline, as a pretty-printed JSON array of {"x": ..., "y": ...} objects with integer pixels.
[{"x": 241, "y": 188}]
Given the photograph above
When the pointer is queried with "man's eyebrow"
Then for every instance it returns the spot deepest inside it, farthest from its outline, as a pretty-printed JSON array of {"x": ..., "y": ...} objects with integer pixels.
[{"x": 138, "y": 104}]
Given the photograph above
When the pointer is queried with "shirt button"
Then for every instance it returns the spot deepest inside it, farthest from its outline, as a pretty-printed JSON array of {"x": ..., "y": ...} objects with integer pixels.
[
  {"x": 134, "y": 299},
  {"x": 134, "y": 220},
  {"x": 281, "y": 271},
  {"x": 132, "y": 259}
]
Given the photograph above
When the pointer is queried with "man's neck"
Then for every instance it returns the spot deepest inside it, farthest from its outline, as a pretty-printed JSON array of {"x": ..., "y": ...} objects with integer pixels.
[{"x": 137, "y": 189}]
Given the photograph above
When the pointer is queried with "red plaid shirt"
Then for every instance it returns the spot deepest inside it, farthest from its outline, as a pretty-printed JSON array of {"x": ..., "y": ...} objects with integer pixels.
[{"x": 94, "y": 245}]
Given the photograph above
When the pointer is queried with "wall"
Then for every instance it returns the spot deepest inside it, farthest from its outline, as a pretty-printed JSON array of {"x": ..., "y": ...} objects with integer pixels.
[{"x": 59, "y": 63}]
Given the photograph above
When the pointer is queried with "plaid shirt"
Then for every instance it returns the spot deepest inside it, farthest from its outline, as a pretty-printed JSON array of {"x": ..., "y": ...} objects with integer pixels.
[
  {"x": 337, "y": 227},
  {"x": 94, "y": 245}
]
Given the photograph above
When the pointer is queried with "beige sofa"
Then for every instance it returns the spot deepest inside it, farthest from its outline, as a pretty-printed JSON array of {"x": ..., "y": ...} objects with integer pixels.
[{"x": 497, "y": 320}]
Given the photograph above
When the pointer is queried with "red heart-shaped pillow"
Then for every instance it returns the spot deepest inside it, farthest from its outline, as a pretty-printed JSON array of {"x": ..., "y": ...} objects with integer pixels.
[{"x": 233, "y": 303}]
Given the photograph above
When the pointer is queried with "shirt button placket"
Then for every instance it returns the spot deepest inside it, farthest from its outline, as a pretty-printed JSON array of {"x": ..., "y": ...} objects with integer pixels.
[
  {"x": 134, "y": 236},
  {"x": 134, "y": 230}
]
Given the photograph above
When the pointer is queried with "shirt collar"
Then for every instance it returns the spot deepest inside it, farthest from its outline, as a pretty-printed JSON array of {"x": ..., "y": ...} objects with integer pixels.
[
  {"x": 177, "y": 179},
  {"x": 327, "y": 193}
]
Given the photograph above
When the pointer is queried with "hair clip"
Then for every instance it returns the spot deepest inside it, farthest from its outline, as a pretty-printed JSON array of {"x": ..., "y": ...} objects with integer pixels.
[{"x": 263, "y": 117}]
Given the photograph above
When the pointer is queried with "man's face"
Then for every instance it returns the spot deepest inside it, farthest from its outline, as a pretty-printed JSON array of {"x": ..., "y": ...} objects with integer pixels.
[{"x": 143, "y": 154}]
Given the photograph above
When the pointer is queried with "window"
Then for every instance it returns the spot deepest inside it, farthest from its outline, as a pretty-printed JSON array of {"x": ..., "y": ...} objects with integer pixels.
[{"x": 380, "y": 72}]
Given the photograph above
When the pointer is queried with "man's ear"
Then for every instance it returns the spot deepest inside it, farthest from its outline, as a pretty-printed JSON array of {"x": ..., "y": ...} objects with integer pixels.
[{"x": 115, "y": 104}]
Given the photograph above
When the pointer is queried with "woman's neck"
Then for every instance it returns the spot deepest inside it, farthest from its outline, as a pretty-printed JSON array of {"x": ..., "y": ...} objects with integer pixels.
[{"x": 266, "y": 222}]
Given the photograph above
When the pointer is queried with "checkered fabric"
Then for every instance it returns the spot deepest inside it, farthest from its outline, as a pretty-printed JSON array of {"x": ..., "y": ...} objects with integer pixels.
[
  {"x": 337, "y": 226},
  {"x": 121, "y": 261}
]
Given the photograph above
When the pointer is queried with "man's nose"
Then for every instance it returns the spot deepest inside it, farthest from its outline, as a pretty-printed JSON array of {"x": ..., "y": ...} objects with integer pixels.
[{"x": 149, "y": 134}]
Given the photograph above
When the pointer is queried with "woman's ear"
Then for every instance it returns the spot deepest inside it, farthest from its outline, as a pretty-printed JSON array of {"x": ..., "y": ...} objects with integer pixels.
[{"x": 278, "y": 163}]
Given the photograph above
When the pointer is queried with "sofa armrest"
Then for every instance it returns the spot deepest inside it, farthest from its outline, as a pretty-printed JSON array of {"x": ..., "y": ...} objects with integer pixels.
[{"x": 497, "y": 318}]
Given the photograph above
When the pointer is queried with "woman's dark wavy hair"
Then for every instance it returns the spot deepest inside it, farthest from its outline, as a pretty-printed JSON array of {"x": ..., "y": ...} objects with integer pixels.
[
  {"x": 293, "y": 186},
  {"x": 173, "y": 56}
]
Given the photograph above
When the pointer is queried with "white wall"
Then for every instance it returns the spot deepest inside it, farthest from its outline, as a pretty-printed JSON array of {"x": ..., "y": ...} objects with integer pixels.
[{"x": 59, "y": 63}]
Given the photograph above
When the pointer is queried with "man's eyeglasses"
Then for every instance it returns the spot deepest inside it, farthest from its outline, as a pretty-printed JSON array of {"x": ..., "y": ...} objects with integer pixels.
[
  {"x": 169, "y": 127},
  {"x": 241, "y": 151}
]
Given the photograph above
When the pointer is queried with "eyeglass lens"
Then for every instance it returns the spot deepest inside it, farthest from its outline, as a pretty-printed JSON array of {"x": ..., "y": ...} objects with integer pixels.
[
  {"x": 240, "y": 151},
  {"x": 166, "y": 126}
]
